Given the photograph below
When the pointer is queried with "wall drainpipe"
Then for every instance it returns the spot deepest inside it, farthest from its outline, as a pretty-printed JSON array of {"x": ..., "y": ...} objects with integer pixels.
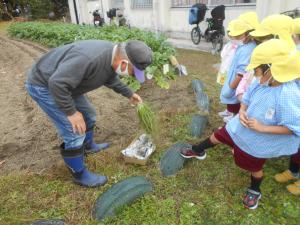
[{"x": 76, "y": 13}]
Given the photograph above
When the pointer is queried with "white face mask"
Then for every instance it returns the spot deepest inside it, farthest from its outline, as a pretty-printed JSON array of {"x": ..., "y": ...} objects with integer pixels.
[
  {"x": 266, "y": 83},
  {"x": 120, "y": 72}
]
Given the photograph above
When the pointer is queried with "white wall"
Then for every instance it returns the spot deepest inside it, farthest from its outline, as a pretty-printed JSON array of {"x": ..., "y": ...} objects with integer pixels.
[
  {"x": 269, "y": 7},
  {"x": 141, "y": 18},
  {"x": 72, "y": 11}
]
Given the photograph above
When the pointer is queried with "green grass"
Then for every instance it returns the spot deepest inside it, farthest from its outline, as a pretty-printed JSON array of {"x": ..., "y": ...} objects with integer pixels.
[{"x": 204, "y": 192}]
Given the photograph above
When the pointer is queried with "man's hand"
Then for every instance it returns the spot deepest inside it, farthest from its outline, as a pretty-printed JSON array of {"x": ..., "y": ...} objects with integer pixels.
[
  {"x": 243, "y": 118},
  {"x": 256, "y": 125},
  {"x": 135, "y": 99},
  {"x": 78, "y": 123}
]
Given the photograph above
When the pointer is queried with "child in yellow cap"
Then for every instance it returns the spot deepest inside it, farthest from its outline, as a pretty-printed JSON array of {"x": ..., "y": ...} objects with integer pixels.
[
  {"x": 251, "y": 19},
  {"x": 240, "y": 32},
  {"x": 268, "y": 124},
  {"x": 271, "y": 27},
  {"x": 276, "y": 25}
]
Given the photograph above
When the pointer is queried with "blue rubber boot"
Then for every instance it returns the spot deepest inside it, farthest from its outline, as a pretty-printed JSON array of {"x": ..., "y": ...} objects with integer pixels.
[
  {"x": 89, "y": 179},
  {"x": 74, "y": 159},
  {"x": 90, "y": 146}
]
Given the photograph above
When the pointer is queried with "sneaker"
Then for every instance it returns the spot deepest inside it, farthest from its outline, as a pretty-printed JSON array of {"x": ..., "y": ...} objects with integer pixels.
[
  {"x": 227, "y": 118},
  {"x": 285, "y": 177},
  {"x": 189, "y": 153},
  {"x": 294, "y": 188},
  {"x": 225, "y": 113},
  {"x": 251, "y": 199}
]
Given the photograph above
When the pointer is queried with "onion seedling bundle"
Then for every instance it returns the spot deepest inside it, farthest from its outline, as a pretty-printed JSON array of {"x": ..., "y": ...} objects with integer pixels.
[{"x": 147, "y": 117}]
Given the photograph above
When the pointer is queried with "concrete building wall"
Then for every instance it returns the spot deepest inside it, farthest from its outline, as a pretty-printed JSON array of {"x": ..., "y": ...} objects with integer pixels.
[
  {"x": 174, "y": 21},
  {"x": 141, "y": 18},
  {"x": 269, "y": 7}
]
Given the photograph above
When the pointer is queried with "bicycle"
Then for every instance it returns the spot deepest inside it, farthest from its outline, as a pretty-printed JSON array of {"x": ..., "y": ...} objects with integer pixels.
[
  {"x": 215, "y": 29},
  {"x": 210, "y": 35}
]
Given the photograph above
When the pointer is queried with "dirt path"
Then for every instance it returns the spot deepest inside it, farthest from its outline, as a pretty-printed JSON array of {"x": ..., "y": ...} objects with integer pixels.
[
  {"x": 28, "y": 139},
  {"x": 20, "y": 133}
]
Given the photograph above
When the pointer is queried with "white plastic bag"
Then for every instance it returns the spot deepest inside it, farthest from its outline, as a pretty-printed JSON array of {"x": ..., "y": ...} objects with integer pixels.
[
  {"x": 141, "y": 148},
  {"x": 227, "y": 55}
]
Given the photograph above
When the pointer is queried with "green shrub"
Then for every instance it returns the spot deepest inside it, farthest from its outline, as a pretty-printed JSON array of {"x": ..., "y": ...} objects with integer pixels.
[{"x": 56, "y": 34}]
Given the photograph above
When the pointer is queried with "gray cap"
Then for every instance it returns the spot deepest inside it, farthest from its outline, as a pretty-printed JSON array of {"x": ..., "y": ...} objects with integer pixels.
[{"x": 140, "y": 55}]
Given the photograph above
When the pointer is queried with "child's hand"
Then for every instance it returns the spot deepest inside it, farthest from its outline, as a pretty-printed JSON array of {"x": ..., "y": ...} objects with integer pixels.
[
  {"x": 243, "y": 118},
  {"x": 256, "y": 125}
]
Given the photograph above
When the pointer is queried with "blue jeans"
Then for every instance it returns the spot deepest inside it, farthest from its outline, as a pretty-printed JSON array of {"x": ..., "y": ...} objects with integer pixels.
[{"x": 45, "y": 100}]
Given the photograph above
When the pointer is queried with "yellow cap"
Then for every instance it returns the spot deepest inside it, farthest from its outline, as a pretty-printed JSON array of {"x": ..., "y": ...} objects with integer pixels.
[
  {"x": 277, "y": 24},
  {"x": 261, "y": 31},
  {"x": 239, "y": 27},
  {"x": 251, "y": 19},
  {"x": 296, "y": 26},
  {"x": 268, "y": 53},
  {"x": 230, "y": 25},
  {"x": 284, "y": 59},
  {"x": 289, "y": 69}
]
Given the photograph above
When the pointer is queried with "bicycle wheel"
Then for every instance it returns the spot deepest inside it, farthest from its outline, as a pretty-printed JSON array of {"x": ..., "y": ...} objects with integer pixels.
[{"x": 196, "y": 35}]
